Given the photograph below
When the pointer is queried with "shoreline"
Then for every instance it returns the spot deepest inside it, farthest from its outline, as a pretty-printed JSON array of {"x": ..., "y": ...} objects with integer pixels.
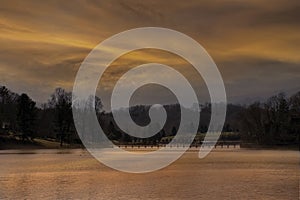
[
  {"x": 9, "y": 143},
  {"x": 135, "y": 149}
]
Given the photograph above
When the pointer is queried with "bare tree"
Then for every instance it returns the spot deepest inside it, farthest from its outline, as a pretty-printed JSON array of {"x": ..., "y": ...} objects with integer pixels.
[{"x": 61, "y": 102}]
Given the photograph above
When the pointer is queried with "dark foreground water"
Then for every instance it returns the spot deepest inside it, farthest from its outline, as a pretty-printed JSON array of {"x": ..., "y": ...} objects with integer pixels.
[{"x": 224, "y": 174}]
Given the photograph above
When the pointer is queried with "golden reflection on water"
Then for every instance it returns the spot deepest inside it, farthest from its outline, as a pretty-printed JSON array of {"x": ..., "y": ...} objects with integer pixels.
[{"x": 224, "y": 174}]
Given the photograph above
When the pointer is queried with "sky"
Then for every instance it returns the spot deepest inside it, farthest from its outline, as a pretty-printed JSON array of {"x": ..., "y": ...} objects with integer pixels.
[{"x": 255, "y": 44}]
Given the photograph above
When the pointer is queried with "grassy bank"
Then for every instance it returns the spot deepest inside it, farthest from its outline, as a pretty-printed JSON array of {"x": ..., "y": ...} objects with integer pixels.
[{"x": 10, "y": 142}]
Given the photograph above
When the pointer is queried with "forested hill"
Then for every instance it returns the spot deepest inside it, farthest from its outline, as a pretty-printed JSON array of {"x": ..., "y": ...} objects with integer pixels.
[{"x": 274, "y": 122}]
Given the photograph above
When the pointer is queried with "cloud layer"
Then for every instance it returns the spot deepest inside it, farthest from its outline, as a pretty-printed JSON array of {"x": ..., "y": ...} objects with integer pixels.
[{"x": 255, "y": 44}]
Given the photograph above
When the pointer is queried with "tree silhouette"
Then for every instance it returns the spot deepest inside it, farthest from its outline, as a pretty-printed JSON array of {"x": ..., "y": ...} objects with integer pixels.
[
  {"x": 274, "y": 122},
  {"x": 174, "y": 131},
  {"x": 61, "y": 102},
  {"x": 8, "y": 107},
  {"x": 271, "y": 123},
  {"x": 112, "y": 132},
  {"x": 26, "y": 116}
]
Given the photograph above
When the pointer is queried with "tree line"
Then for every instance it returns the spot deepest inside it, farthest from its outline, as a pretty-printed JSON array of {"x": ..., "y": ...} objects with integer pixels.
[
  {"x": 274, "y": 122},
  {"x": 20, "y": 116}
]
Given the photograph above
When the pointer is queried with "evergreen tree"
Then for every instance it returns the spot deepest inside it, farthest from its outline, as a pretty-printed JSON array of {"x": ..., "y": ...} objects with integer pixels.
[{"x": 26, "y": 116}]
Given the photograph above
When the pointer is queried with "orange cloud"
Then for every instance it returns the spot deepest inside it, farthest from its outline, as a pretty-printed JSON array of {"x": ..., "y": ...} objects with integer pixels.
[{"x": 43, "y": 43}]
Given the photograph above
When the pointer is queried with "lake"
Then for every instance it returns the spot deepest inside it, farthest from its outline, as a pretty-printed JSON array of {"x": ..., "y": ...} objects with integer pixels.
[{"x": 223, "y": 174}]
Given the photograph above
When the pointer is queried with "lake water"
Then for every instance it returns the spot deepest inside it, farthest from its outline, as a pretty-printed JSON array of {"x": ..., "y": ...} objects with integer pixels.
[{"x": 223, "y": 174}]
